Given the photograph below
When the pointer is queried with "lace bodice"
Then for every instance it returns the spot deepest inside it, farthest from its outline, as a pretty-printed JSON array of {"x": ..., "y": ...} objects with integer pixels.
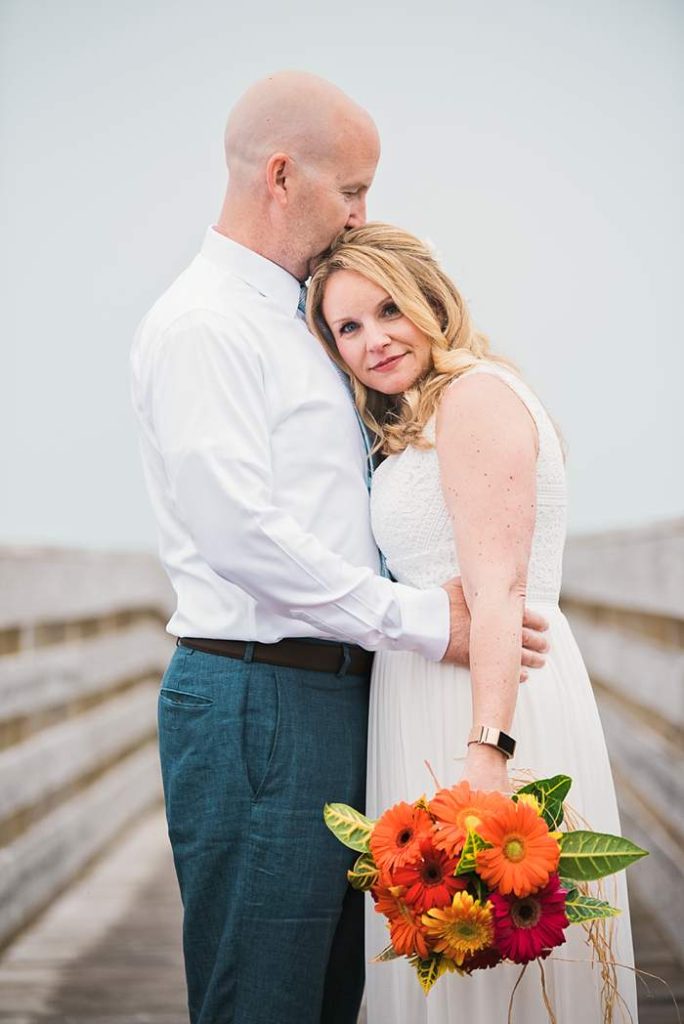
[{"x": 411, "y": 522}]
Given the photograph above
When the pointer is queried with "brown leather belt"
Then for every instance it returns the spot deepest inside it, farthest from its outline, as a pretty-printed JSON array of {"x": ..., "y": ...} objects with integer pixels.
[{"x": 340, "y": 659}]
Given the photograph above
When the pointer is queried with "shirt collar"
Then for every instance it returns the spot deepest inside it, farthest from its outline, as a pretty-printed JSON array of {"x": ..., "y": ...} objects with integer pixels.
[{"x": 265, "y": 276}]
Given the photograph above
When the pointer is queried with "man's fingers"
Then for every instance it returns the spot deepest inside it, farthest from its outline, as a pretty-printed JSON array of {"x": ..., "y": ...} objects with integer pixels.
[
  {"x": 531, "y": 660},
  {"x": 524, "y": 676},
  {"x": 534, "y": 641},
  {"x": 533, "y": 620}
]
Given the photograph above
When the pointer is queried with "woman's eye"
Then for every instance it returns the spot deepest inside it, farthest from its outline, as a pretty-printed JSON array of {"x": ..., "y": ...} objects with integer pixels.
[
  {"x": 391, "y": 309},
  {"x": 348, "y": 327}
]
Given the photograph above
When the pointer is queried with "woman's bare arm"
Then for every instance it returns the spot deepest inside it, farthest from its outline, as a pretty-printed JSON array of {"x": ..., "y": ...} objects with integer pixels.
[{"x": 487, "y": 451}]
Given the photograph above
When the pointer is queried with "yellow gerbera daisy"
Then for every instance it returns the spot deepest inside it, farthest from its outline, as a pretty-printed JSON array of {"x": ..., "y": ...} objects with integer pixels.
[{"x": 460, "y": 929}]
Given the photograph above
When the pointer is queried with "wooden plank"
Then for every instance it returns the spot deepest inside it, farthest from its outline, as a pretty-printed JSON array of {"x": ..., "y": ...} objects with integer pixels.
[
  {"x": 122, "y": 963},
  {"x": 59, "y": 756},
  {"x": 43, "y": 860},
  {"x": 650, "y": 674},
  {"x": 657, "y": 879},
  {"x": 42, "y": 585},
  {"x": 642, "y": 569},
  {"x": 653, "y": 764},
  {"x": 33, "y": 681}
]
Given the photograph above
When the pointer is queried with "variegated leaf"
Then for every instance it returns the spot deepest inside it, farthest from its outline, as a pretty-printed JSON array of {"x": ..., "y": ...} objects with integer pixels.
[
  {"x": 364, "y": 873},
  {"x": 428, "y": 971},
  {"x": 471, "y": 848},
  {"x": 589, "y": 855},
  {"x": 550, "y": 794},
  {"x": 352, "y": 828},
  {"x": 586, "y": 908},
  {"x": 571, "y": 889}
]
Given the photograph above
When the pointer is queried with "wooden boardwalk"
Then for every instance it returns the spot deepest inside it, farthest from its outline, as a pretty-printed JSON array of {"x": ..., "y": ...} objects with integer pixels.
[{"x": 108, "y": 951}]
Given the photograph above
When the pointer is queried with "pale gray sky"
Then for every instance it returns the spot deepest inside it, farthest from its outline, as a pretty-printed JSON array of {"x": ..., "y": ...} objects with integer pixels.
[{"x": 536, "y": 144}]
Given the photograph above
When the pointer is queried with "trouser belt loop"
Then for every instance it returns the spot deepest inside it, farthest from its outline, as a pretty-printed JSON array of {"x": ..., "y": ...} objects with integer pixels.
[
  {"x": 346, "y": 661},
  {"x": 248, "y": 656}
]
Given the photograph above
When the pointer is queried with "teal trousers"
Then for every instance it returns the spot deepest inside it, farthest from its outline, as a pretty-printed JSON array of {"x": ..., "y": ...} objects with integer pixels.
[{"x": 250, "y": 753}]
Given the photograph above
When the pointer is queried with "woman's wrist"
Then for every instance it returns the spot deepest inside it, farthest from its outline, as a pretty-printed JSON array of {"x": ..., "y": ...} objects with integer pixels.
[
  {"x": 491, "y": 736},
  {"x": 483, "y": 753}
]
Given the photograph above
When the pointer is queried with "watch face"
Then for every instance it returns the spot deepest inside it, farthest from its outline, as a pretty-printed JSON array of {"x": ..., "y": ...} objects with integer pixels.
[
  {"x": 493, "y": 738},
  {"x": 506, "y": 744}
]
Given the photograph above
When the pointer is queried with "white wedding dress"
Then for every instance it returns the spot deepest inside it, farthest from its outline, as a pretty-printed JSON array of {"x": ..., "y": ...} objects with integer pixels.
[{"x": 421, "y": 710}]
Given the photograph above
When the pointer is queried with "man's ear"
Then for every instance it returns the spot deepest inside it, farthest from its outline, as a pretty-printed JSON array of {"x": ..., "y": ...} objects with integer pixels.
[{"x": 278, "y": 172}]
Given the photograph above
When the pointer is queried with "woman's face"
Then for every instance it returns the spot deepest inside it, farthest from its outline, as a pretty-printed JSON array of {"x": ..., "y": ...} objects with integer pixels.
[{"x": 381, "y": 347}]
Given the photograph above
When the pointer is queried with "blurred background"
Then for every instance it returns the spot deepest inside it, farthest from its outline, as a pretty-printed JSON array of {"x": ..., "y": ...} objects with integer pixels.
[{"x": 539, "y": 148}]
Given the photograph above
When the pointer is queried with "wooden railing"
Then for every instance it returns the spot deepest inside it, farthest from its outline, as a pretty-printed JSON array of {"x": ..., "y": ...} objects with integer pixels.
[
  {"x": 82, "y": 648},
  {"x": 623, "y": 593}
]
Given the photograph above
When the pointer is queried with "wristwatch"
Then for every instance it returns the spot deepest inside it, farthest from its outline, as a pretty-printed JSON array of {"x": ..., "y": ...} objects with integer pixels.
[{"x": 492, "y": 737}]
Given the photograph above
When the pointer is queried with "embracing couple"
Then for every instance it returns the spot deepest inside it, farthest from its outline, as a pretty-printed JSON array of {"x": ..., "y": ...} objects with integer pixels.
[{"x": 337, "y": 472}]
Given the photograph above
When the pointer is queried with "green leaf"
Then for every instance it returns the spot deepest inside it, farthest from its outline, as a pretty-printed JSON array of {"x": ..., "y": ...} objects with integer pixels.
[
  {"x": 428, "y": 971},
  {"x": 471, "y": 848},
  {"x": 589, "y": 855},
  {"x": 364, "y": 873},
  {"x": 585, "y": 908},
  {"x": 349, "y": 826},
  {"x": 479, "y": 888},
  {"x": 550, "y": 794},
  {"x": 571, "y": 889},
  {"x": 388, "y": 953}
]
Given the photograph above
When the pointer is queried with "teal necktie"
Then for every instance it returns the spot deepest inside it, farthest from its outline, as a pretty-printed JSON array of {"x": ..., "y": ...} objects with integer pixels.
[{"x": 301, "y": 305}]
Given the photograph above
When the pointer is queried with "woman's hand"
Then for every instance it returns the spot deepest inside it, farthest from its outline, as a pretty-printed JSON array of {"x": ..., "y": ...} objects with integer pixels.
[{"x": 486, "y": 768}]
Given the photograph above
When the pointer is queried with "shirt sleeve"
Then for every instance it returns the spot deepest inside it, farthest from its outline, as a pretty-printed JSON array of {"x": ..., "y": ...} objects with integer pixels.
[{"x": 210, "y": 420}]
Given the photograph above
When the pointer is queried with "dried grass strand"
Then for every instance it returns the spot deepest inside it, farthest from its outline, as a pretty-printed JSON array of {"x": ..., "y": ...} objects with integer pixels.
[
  {"x": 432, "y": 774},
  {"x": 515, "y": 989},
  {"x": 640, "y": 976},
  {"x": 547, "y": 1001}
]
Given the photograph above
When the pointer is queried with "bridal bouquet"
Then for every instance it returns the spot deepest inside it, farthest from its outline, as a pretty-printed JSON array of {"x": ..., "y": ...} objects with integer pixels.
[{"x": 470, "y": 879}]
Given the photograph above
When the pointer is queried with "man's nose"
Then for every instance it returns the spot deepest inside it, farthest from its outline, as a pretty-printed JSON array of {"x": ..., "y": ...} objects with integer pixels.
[{"x": 357, "y": 213}]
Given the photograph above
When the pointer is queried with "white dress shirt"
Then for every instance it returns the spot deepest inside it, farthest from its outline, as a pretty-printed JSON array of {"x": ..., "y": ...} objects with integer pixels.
[{"x": 255, "y": 466}]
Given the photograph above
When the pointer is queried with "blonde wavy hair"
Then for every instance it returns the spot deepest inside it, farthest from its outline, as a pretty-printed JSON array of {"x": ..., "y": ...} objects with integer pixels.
[{"x": 407, "y": 270}]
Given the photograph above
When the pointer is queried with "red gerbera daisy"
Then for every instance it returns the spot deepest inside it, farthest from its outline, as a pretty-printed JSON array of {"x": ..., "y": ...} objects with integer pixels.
[
  {"x": 396, "y": 836},
  {"x": 489, "y": 957},
  {"x": 429, "y": 880},
  {"x": 528, "y": 927}
]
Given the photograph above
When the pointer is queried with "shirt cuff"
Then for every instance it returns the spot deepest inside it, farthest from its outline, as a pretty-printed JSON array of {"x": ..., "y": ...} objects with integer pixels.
[{"x": 425, "y": 621}]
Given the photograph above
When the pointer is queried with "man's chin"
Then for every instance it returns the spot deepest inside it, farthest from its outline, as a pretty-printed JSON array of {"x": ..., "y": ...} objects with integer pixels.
[{"x": 316, "y": 261}]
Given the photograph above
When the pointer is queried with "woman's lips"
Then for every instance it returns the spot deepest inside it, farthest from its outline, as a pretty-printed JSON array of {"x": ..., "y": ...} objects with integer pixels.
[{"x": 387, "y": 364}]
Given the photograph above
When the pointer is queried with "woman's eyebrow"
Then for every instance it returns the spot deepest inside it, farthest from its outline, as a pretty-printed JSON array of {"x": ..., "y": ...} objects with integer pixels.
[{"x": 341, "y": 320}]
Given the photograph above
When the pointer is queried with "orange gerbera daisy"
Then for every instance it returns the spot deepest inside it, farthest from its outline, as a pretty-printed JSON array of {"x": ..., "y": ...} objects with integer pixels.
[
  {"x": 523, "y": 854},
  {"x": 407, "y": 932},
  {"x": 461, "y": 929},
  {"x": 459, "y": 810},
  {"x": 395, "y": 839}
]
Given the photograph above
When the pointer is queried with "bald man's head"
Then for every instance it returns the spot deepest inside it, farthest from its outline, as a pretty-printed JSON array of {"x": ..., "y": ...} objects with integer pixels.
[
  {"x": 293, "y": 112},
  {"x": 301, "y": 157}
]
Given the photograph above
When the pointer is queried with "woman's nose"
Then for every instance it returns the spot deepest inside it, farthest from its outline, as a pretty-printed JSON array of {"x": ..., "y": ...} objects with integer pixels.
[{"x": 377, "y": 337}]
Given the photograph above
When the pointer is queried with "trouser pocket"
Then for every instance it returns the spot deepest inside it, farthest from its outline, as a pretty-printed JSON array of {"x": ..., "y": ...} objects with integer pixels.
[{"x": 260, "y": 725}]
